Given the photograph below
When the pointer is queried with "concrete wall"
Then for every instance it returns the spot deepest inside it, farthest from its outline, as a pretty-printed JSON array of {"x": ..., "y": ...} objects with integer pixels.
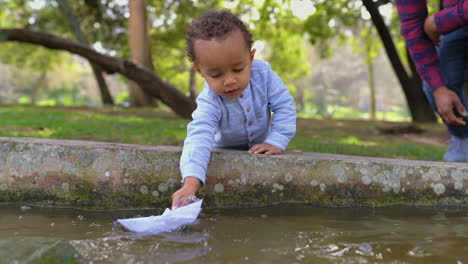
[{"x": 107, "y": 175}]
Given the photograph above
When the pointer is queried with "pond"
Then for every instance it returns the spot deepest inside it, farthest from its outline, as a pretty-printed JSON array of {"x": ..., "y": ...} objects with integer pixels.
[{"x": 284, "y": 233}]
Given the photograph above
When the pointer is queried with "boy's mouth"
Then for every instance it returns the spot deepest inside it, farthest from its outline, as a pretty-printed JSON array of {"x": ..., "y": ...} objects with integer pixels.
[{"x": 231, "y": 92}]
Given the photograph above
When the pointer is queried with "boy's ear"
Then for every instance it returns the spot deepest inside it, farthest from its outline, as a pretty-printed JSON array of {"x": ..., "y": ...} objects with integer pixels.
[
  {"x": 197, "y": 68},
  {"x": 252, "y": 54}
]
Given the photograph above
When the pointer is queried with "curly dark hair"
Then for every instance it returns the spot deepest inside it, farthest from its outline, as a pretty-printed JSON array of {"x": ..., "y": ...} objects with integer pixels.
[{"x": 216, "y": 23}]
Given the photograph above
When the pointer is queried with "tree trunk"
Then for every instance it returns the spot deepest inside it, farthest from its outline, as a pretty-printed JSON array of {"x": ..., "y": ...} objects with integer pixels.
[
  {"x": 35, "y": 87},
  {"x": 416, "y": 100},
  {"x": 146, "y": 79},
  {"x": 418, "y": 97},
  {"x": 321, "y": 97},
  {"x": 140, "y": 49},
  {"x": 193, "y": 83},
  {"x": 300, "y": 99},
  {"x": 106, "y": 97},
  {"x": 370, "y": 71},
  {"x": 373, "y": 110}
]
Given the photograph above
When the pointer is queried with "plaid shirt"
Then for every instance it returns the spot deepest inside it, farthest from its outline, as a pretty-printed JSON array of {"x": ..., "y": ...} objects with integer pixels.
[
  {"x": 412, "y": 15},
  {"x": 239, "y": 123}
]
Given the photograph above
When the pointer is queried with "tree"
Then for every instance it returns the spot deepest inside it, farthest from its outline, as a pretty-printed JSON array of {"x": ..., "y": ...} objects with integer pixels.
[
  {"x": 365, "y": 45},
  {"x": 346, "y": 15},
  {"x": 43, "y": 15},
  {"x": 140, "y": 46},
  {"x": 75, "y": 26},
  {"x": 146, "y": 79},
  {"x": 105, "y": 23},
  {"x": 369, "y": 57},
  {"x": 420, "y": 108}
]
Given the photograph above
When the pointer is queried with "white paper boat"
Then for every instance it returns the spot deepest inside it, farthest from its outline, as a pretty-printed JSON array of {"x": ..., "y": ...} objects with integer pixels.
[{"x": 167, "y": 222}]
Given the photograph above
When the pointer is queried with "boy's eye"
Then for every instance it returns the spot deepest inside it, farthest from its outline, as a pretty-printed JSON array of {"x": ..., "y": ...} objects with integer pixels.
[
  {"x": 239, "y": 70},
  {"x": 215, "y": 76}
]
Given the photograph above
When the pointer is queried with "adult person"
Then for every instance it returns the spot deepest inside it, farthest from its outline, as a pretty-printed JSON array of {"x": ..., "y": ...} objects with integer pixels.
[{"x": 442, "y": 71}]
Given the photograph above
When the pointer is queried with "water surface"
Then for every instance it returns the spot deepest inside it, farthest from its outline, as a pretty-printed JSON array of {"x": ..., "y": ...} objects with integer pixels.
[{"x": 277, "y": 234}]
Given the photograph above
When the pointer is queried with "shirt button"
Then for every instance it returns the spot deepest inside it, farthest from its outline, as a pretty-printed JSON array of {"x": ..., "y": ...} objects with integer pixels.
[
  {"x": 248, "y": 109},
  {"x": 250, "y": 123},
  {"x": 241, "y": 95},
  {"x": 252, "y": 134}
]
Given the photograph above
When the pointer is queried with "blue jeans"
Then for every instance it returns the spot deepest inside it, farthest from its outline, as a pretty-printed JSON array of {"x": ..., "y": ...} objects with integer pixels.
[{"x": 453, "y": 57}]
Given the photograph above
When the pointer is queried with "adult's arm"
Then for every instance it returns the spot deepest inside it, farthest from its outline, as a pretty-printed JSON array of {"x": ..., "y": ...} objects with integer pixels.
[
  {"x": 452, "y": 18},
  {"x": 412, "y": 15}
]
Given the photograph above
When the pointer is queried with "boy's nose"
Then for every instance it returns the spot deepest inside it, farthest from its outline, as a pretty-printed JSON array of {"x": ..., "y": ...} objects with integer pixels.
[{"x": 230, "y": 80}]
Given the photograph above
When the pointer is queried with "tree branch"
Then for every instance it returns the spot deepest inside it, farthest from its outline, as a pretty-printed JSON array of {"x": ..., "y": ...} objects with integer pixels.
[{"x": 147, "y": 80}]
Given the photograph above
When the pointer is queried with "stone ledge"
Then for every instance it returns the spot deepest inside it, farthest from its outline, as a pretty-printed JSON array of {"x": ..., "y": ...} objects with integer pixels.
[{"x": 109, "y": 175}]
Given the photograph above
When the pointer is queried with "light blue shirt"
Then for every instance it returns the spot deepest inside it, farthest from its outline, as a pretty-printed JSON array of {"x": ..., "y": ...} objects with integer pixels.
[{"x": 220, "y": 122}]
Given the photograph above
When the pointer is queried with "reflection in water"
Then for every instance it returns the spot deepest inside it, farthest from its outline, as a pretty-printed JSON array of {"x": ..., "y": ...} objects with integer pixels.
[
  {"x": 280, "y": 234},
  {"x": 137, "y": 249}
]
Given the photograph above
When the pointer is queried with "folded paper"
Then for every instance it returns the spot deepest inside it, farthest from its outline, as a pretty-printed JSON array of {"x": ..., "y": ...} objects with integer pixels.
[{"x": 167, "y": 222}]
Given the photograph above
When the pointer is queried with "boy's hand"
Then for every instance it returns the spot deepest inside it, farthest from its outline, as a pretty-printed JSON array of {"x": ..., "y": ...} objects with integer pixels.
[
  {"x": 191, "y": 186},
  {"x": 431, "y": 30},
  {"x": 264, "y": 148}
]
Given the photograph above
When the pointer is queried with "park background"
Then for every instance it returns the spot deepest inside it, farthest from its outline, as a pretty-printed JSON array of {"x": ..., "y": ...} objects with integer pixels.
[{"x": 65, "y": 72}]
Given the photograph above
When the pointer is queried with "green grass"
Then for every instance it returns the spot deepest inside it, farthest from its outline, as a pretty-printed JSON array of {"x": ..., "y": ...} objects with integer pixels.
[
  {"x": 110, "y": 125},
  {"x": 161, "y": 127}
]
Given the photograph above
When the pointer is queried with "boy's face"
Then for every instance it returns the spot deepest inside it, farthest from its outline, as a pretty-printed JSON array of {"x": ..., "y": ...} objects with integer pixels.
[{"x": 225, "y": 63}]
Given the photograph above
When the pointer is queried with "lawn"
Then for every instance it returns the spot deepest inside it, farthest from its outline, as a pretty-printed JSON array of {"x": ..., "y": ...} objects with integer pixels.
[{"x": 161, "y": 127}]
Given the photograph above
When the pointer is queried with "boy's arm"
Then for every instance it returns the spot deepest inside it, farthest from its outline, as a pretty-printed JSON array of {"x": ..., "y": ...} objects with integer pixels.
[
  {"x": 283, "y": 126},
  {"x": 197, "y": 149},
  {"x": 198, "y": 143}
]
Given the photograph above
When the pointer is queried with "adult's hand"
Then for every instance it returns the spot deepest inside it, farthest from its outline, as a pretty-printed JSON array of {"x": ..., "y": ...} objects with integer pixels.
[
  {"x": 446, "y": 101},
  {"x": 431, "y": 30}
]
